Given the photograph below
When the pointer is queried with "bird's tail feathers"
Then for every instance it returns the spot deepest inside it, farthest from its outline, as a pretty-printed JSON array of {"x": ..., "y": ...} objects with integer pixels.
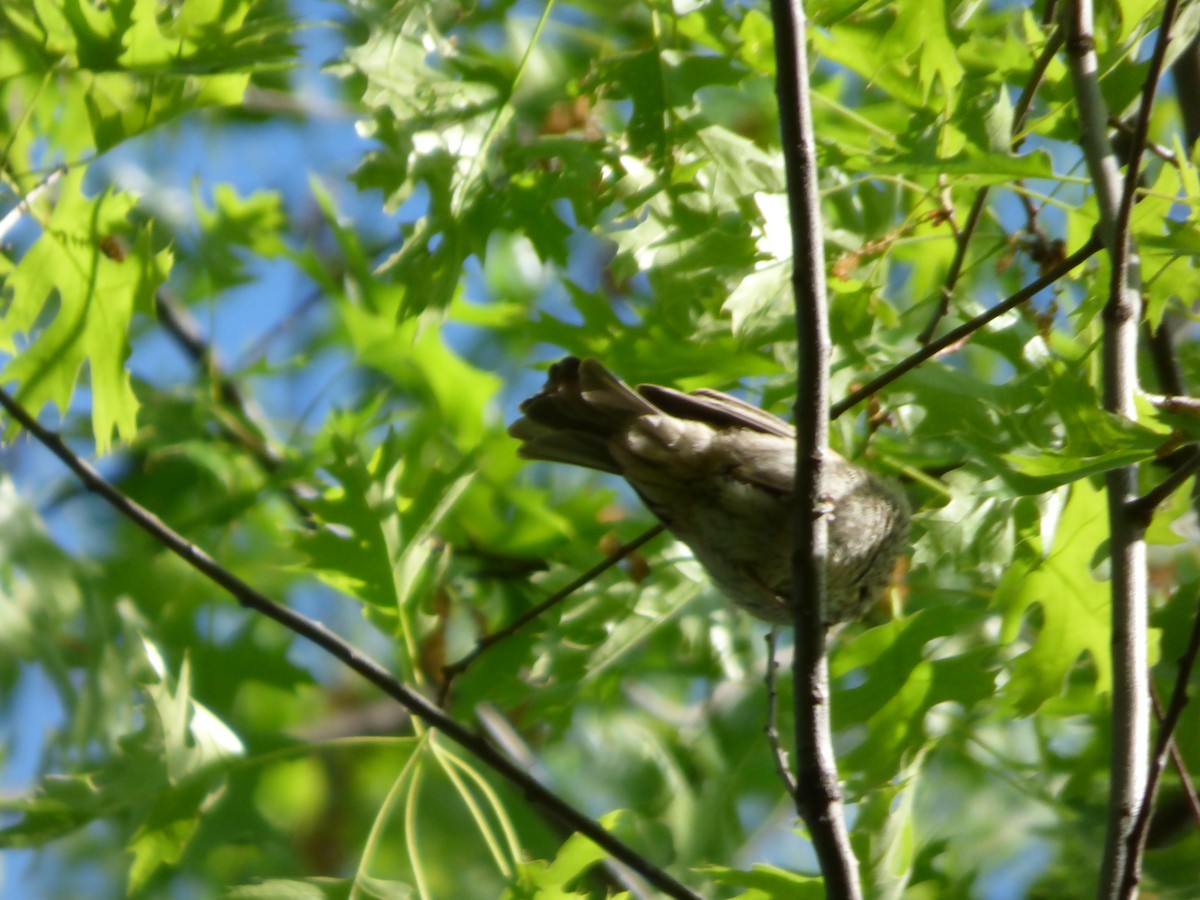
[{"x": 571, "y": 419}]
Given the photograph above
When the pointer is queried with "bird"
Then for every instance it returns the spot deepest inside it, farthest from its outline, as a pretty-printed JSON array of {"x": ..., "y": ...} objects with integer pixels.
[{"x": 719, "y": 473}]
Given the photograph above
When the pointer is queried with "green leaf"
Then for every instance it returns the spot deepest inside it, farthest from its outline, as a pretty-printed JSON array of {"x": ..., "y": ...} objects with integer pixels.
[
  {"x": 415, "y": 357},
  {"x": 885, "y": 833},
  {"x": 1073, "y": 603},
  {"x": 980, "y": 167},
  {"x": 760, "y": 305},
  {"x": 316, "y": 888},
  {"x": 999, "y": 124},
  {"x": 376, "y": 542},
  {"x": 1097, "y": 441},
  {"x": 922, "y": 28},
  {"x": 901, "y": 684},
  {"x": 539, "y": 880},
  {"x": 234, "y": 228},
  {"x": 166, "y": 833},
  {"x": 135, "y": 67},
  {"x": 98, "y": 289},
  {"x": 161, "y": 779},
  {"x": 763, "y": 882},
  {"x": 639, "y": 77}
]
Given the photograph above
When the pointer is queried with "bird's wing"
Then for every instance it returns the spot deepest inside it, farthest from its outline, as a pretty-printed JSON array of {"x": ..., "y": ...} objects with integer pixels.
[{"x": 715, "y": 408}]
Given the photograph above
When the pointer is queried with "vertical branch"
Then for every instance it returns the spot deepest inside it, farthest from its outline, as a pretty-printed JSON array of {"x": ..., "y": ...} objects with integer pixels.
[
  {"x": 1131, "y": 697},
  {"x": 1125, "y": 298},
  {"x": 1131, "y": 710},
  {"x": 818, "y": 795},
  {"x": 1179, "y": 699}
]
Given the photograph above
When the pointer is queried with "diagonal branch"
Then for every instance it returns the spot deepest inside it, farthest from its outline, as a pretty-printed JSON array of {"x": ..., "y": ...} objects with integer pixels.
[
  {"x": 24, "y": 205},
  {"x": 818, "y": 795},
  {"x": 1140, "y": 510},
  {"x": 1191, "y": 798},
  {"x": 964, "y": 331},
  {"x": 453, "y": 670},
  {"x": 539, "y": 795}
]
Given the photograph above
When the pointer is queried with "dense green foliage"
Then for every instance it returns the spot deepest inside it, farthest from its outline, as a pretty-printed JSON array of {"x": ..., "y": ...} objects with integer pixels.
[{"x": 590, "y": 178}]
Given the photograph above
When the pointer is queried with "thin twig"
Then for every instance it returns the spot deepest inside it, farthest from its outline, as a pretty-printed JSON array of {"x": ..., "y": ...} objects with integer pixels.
[
  {"x": 25, "y": 204},
  {"x": 453, "y": 670},
  {"x": 1174, "y": 403},
  {"x": 1140, "y": 510},
  {"x": 818, "y": 794},
  {"x": 1165, "y": 357},
  {"x": 353, "y": 658},
  {"x": 1185, "y": 779},
  {"x": 258, "y": 349},
  {"x": 1139, "y": 139},
  {"x": 963, "y": 237},
  {"x": 1089, "y": 248},
  {"x": 182, "y": 326},
  {"x": 771, "y": 728},
  {"x": 1179, "y": 699},
  {"x": 1054, "y": 42},
  {"x": 1161, "y": 152}
]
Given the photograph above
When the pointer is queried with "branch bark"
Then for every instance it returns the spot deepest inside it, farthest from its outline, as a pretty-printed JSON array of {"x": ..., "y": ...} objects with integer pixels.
[
  {"x": 452, "y": 670},
  {"x": 539, "y": 795},
  {"x": 818, "y": 795},
  {"x": 965, "y": 330},
  {"x": 1127, "y": 549},
  {"x": 1162, "y": 747}
]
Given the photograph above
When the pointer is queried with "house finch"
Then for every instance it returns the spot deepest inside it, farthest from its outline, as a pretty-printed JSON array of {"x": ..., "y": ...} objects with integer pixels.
[{"x": 719, "y": 473}]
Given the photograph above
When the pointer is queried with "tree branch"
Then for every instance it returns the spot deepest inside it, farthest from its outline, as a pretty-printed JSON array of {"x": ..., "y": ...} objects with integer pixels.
[
  {"x": 247, "y": 427},
  {"x": 541, "y": 796},
  {"x": 1140, "y": 510},
  {"x": 818, "y": 794},
  {"x": 1173, "y": 403},
  {"x": 964, "y": 331},
  {"x": 1132, "y": 780},
  {"x": 1185, "y": 781},
  {"x": 24, "y": 205},
  {"x": 1179, "y": 699},
  {"x": 1127, "y": 549},
  {"x": 453, "y": 670},
  {"x": 771, "y": 729}
]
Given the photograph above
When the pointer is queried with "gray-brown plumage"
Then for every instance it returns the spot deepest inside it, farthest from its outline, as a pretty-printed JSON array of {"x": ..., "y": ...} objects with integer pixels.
[{"x": 719, "y": 473}]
